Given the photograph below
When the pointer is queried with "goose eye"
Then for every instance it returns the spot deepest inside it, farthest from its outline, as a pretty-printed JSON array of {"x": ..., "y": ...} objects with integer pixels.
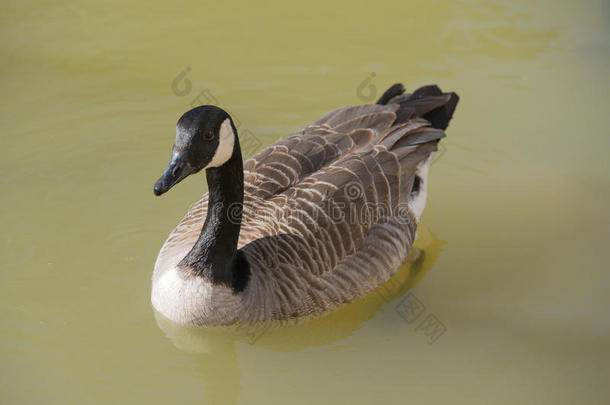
[{"x": 208, "y": 136}]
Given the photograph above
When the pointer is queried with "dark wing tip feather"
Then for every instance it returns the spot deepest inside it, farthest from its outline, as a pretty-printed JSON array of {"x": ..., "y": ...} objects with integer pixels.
[
  {"x": 395, "y": 90},
  {"x": 428, "y": 102}
]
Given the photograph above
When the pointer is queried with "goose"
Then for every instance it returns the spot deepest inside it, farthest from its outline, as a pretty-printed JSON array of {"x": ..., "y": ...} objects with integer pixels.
[{"x": 314, "y": 221}]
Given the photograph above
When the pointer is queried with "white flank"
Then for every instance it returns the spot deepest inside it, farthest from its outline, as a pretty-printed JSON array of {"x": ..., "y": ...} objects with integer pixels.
[{"x": 418, "y": 203}]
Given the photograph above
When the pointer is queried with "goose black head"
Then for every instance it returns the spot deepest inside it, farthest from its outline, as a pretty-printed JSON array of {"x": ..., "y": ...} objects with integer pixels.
[{"x": 205, "y": 137}]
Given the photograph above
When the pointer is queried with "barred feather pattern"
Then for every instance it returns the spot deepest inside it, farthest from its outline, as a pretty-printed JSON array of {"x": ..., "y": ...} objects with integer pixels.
[{"x": 327, "y": 215}]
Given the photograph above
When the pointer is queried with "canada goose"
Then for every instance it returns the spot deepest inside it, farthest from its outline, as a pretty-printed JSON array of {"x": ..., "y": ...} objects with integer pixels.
[{"x": 314, "y": 221}]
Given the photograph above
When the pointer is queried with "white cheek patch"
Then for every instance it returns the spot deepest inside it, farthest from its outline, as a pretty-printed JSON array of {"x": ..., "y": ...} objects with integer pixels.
[{"x": 226, "y": 141}]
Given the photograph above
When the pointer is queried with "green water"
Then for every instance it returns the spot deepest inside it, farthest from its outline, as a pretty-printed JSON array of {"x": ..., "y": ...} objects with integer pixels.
[{"x": 515, "y": 235}]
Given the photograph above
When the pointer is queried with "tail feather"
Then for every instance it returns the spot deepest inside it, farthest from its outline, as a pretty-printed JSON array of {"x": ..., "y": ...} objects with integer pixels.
[
  {"x": 428, "y": 102},
  {"x": 440, "y": 117}
]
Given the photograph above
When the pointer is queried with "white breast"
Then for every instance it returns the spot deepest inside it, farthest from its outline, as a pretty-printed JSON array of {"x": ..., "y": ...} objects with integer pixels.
[
  {"x": 173, "y": 291},
  {"x": 188, "y": 299}
]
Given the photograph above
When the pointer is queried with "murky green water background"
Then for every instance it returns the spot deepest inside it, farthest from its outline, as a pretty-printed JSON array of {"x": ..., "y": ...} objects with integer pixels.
[{"x": 515, "y": 235}]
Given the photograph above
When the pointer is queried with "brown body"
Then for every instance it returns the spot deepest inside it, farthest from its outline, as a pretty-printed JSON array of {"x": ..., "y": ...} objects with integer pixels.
[{"x": 329, "y": 214}]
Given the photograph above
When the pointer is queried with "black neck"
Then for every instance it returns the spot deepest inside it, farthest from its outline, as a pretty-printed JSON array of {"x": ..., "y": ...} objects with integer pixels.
[{"x": 213, "y": 256}]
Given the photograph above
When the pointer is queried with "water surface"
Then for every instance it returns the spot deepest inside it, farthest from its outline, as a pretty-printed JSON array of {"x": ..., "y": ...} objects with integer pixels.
[{"x": 515, "y": 235}]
